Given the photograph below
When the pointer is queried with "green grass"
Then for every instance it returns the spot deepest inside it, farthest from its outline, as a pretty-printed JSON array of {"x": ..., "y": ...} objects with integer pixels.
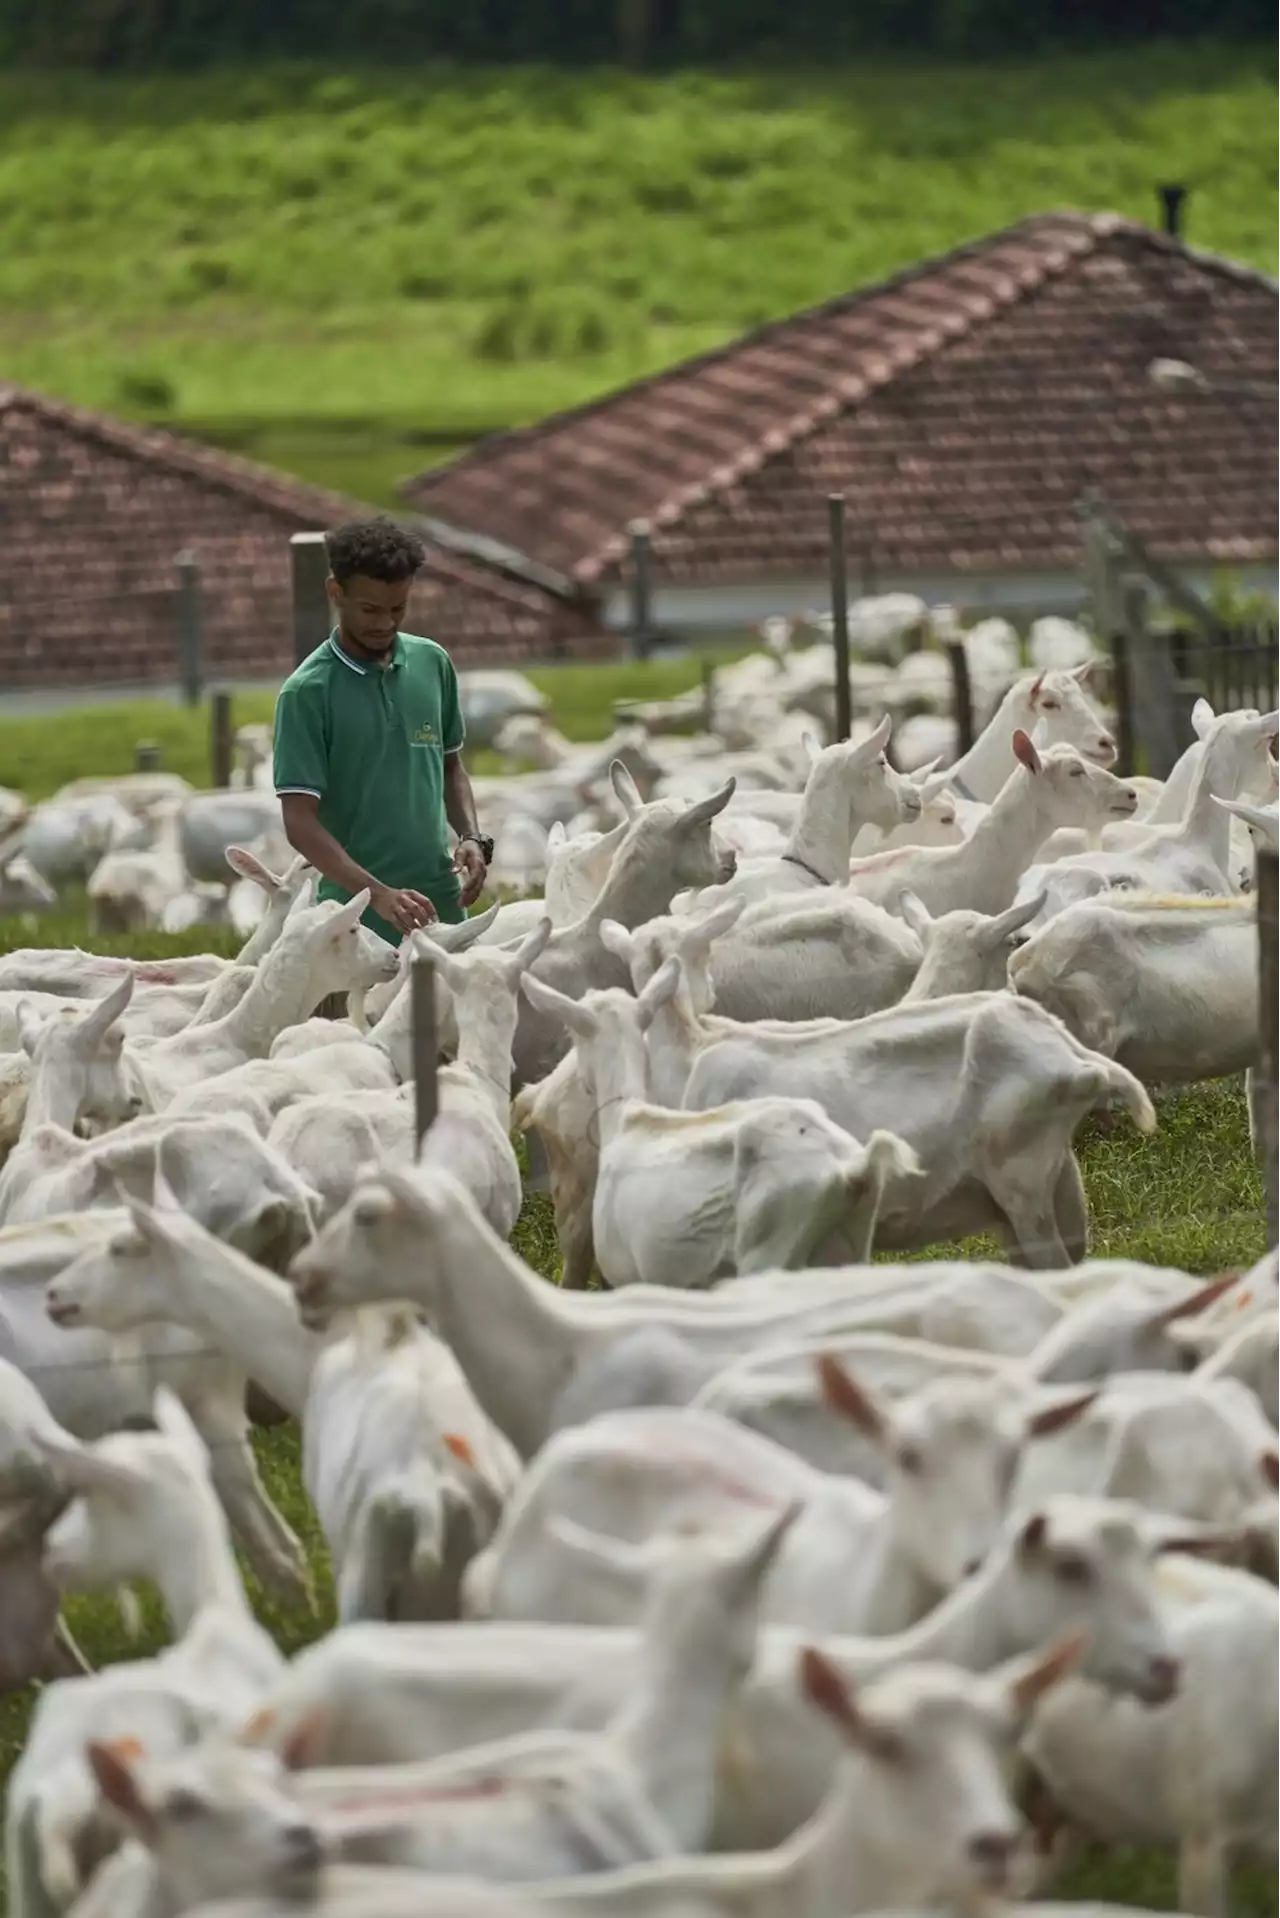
[
  {"x": 40, "y": 753},
  {"x": 353, "y": 273}
]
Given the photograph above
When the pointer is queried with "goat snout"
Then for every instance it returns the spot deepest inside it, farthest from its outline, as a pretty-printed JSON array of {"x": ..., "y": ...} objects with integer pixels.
[
  {"x": 993, "y": 1852},
  {"x": 1105, "y": 750},
  {"x": 1164, "y": 1675},
  {"x": 61, "y": 1310}
]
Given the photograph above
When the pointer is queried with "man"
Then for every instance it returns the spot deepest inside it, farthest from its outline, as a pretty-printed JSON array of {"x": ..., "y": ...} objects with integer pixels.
[{"x": 368, "y": 747}]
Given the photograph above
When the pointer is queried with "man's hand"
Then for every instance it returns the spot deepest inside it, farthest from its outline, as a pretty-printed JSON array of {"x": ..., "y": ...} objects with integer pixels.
[
  {"x": 404, "y": 909},
  {"x": 469, "y": 861}
]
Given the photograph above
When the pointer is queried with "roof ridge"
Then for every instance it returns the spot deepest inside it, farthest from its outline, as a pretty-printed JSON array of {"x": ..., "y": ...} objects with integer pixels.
[
  {"x": 1109, "y": 224},
  {"x": 493, "y": 443},
  {"x": 851, "y": 389},
  {"x": 250, "y": 478}
]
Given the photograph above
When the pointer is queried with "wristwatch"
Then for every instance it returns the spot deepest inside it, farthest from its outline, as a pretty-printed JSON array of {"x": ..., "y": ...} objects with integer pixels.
[{"x": 483, "y": 841}]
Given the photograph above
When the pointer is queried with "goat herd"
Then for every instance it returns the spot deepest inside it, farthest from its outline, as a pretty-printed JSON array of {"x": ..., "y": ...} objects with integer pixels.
[{"x": 763, "y": 1582}]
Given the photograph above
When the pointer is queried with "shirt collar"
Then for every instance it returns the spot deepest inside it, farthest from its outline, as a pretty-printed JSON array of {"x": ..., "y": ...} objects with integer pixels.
[{"x": 397, "y": 655}]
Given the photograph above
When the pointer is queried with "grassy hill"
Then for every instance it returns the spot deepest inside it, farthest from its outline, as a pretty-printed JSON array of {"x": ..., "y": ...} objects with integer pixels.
[{"x": 353, "y": 275}]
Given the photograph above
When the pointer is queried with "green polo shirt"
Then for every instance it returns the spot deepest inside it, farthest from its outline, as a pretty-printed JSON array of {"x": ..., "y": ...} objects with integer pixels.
[{"x": 370, "y": 743}]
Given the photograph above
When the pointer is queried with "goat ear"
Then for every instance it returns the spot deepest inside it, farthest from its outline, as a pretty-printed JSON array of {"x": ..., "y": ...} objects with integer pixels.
[
  {"x": 85, "y": 1470},
  {"x": 659, "y": 989},
  {"x": 348, "y": 916},
  {"x": 825, "y": 1687},
  {"x": 1167, "y": 1534},
  {"x": 1202, "y": 717},
  {"x": 303, "y": 1745},
  {"x": 30, "y": 1026},
  {"x": 704, "y": 809},
  {"x": 1025, "y": 753},
  {"x": 533, "y": 945},
  {"x": 1082, "y": 673},
  {"x": 98, "y": 1020},
  {"x": 625, "y": 788},
  {"x": 915, "y": 913},
  {"x": 456, "y": 938},
  {"x": 1053, "y": 1418},
  {"x": 615, "y": 938},
  {"x": 879, "y": 739},
  {"x": 558, "y": 1005},
  {"x": 721, "y": 919},
  {"x": 1005, "y": 924},
  {"x": 109, "y": 1761},
  {"x": 1034, "y": 1534},
  {"x": 844, "y": 1396},
  {"x": 1167, "y": 1315},
  {"x": 1029, "y": 1679},
  {"x": 812, "y": 747},
  {"x": 1035, "y": 689},
  {"x": 249, "y": 866}
]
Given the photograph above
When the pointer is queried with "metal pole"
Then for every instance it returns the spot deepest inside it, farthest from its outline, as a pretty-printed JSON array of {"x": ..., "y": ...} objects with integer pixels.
[
  {"x": 221, "y": 738},
  {"x": 426, "y": 1046},
  {"x": 641, "y": 588},
  {"x": 961, "y": 696},
  {"x": 190, "y": 632},
  {"x": 1264, "y": 1090},
  {"x": 839, "y": 612},
  {"x": 1122, "y": 695},
  {"x": 309, "y": 570},
  {"x": 708, "y": 674},
  {"x": 1153, "y": 677},
  {"x": 146, "y": 756}
]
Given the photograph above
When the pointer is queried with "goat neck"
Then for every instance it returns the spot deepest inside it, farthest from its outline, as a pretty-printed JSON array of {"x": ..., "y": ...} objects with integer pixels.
[
  {"x": 672, "y": 1043},
  {"x": 825, "y": 825}
]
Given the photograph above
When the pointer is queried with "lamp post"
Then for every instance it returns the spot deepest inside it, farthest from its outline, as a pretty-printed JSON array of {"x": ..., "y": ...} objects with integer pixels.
[{"x": 1179, "y": 376}]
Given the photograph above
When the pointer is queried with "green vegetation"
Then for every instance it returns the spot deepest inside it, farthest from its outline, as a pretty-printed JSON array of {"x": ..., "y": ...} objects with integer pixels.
[
  {"x": 41, "y": 753},
  {"x": 352, "y": 275}
]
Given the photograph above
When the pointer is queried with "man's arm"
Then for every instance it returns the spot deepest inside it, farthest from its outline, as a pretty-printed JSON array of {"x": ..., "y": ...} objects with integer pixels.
[
  {"x": 402, "y": 909},
  {"x": 460, "y": 810}
]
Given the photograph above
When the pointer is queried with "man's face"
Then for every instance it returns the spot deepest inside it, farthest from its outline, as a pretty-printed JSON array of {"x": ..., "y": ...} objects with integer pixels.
[{"x": 370, "y": 611}]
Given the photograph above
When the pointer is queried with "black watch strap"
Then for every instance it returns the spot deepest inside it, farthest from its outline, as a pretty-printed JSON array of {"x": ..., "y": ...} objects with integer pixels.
[{"x": 483, "y": 841}]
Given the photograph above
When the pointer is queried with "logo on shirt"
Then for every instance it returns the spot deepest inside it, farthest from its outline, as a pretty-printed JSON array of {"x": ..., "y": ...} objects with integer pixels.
[{"x": 425, "y": 735}]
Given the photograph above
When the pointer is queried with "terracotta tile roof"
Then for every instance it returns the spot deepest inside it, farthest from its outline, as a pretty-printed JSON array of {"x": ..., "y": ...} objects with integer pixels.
[
  {"x": 94, "y": 512},
  {"x": 962, "y": 407}
]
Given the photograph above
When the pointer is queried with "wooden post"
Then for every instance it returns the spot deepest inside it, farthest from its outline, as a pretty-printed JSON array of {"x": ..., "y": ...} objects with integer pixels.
[
  {"x": 1122, "y": 695},
  {"x": 146, "y": 756},
  {"x": 1153, "y": 680},
  {"x": 426, "y": 1045},
  {"x": 309, "y": 569},
  {"x": 221, "y": 738},
  {"x": 190, "y": 629},
  {"x": 961, "y": 695},
  {"x": 839, "y": 612},
  {"x": 641, "y": 588},
  {"x": 1264, "y": 1092}
]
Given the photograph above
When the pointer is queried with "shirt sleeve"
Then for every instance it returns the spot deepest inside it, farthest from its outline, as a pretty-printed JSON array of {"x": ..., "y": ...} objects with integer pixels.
[
  {"x": 301, "y": 749},
  {"x": 452, "y": 730}
]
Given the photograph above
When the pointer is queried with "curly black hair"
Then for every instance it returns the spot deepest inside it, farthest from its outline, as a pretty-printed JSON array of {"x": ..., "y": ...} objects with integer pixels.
[{"x": 376, "y": 548}]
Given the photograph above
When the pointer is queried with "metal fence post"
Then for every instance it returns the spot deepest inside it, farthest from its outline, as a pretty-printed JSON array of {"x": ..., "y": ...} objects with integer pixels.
[
  {"x": 146, "y": 756},
  {"x": 1122, "y": 697},
  {"x": 221, "y": 738},
  {"x": 1154, "y": 682},
  {"x": 839, "y": 612},
  {"x": 308, "y": 571},
  {"x": 961, "y": 695},
  {"x": 1264, "y": 1086},
  {"x": 708, "y": 677},
  {"x": 426, "y": 1045},
  {"x": 641, "y": 588},
  {"x": 190, "y": 628}
]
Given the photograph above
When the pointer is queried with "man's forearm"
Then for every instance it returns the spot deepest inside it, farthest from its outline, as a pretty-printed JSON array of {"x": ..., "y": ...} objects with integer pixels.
[
  {"x": 459, "y": 800},
  {"x": 319, "y": 847}
]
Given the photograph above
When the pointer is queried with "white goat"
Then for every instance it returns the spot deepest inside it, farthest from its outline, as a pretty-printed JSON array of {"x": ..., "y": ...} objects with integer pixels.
[
  {"x": 684, "y": 1200},
  {"x": 857, "y": 1560}
]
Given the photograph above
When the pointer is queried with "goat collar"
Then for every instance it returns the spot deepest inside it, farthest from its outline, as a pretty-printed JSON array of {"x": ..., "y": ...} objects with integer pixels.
[{"x": 794, "y": 859}]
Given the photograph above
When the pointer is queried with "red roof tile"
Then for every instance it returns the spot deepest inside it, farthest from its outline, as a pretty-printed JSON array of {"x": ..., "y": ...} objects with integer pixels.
[
  {"x": 94, "y": 512},
  {"x": 962, "y": 408}
]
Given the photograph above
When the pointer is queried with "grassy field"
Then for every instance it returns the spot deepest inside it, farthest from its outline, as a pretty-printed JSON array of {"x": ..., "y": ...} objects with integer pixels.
[
  {"x": 1188, "y": 1196},
  {"x": 351, "y": 275},
  {"x": 38, "y": 754}
]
